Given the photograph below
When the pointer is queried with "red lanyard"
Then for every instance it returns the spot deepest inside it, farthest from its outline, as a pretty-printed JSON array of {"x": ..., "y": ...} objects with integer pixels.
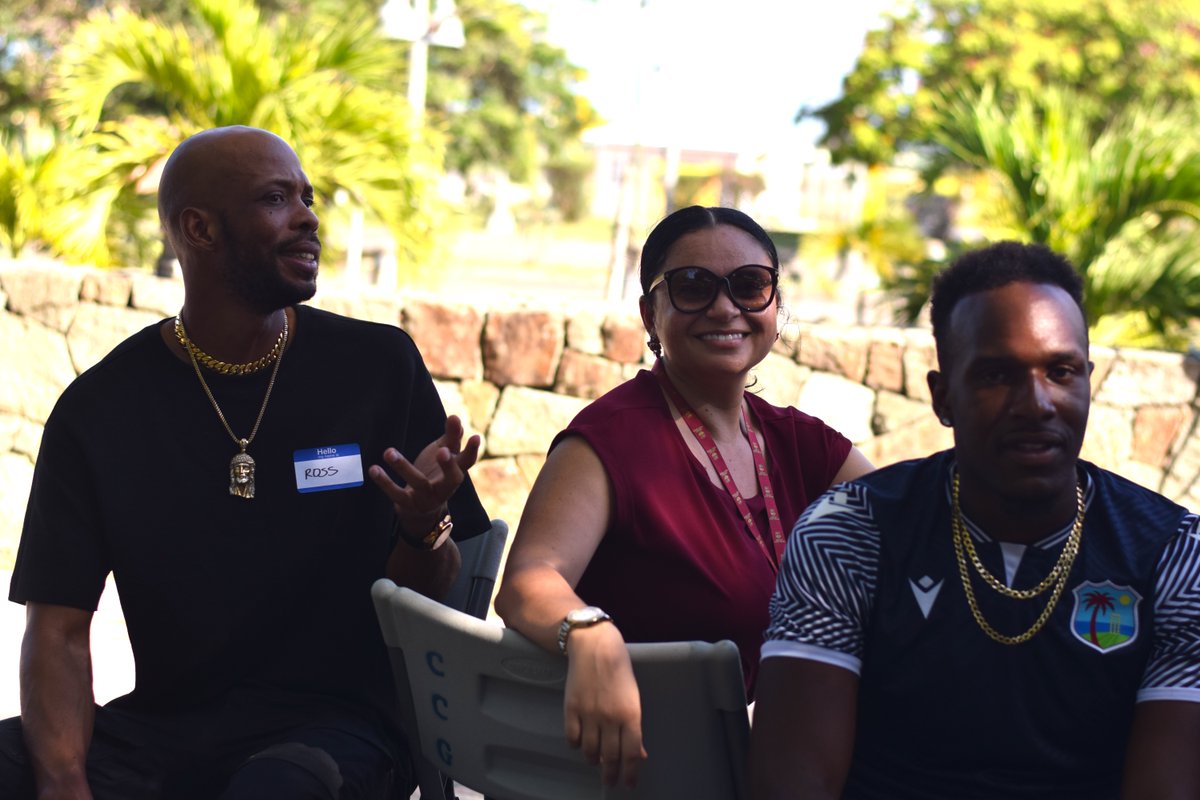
[{"x": 698, "y": 429}]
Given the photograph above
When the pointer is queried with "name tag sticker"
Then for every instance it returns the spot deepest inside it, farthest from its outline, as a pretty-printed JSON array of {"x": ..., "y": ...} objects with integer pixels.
[{"x": 321, "y": 469}]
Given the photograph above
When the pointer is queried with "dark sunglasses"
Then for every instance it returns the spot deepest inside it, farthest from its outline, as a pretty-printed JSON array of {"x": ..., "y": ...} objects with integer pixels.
[{"x": 693, "y": 289}]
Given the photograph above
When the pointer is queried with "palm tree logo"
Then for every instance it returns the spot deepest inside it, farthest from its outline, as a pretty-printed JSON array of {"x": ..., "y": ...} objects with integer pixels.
[
  {"x": 1097, "y": 602},
  {"x": 1106, "y": 615}
]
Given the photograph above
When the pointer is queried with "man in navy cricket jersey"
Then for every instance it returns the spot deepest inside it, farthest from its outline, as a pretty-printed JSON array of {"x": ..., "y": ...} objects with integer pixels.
[{"x": 999, "y": 620}]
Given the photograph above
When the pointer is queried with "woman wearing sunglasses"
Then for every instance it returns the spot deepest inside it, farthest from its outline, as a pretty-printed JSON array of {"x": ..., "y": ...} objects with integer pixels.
[{"x": 662, "y": 510}]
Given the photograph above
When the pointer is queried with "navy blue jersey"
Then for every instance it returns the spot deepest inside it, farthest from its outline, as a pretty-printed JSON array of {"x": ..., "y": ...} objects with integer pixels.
[{"x": 870, "y": 582}]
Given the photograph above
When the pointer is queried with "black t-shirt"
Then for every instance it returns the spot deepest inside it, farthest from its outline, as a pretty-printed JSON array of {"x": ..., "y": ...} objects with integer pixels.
[{"x": 225, "y": 596}]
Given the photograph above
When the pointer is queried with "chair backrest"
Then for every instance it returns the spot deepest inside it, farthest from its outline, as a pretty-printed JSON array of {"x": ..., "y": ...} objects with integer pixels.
[
  {"x": 486, "y": 707},
  {"x": 472, "y": 589}
]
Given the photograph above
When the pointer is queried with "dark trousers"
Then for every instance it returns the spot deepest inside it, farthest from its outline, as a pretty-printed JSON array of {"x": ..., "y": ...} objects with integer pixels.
[{"x": 137, "y": 756}]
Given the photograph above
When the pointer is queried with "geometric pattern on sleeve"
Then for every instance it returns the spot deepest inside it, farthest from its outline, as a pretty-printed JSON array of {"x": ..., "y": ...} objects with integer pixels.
[
  {"x": 827, "y": 580},
  {"x": 1173, "y": 671}
]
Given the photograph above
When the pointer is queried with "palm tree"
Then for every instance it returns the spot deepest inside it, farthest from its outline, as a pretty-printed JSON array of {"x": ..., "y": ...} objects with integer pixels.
[
  {"x": 132, "y": 88},
  {"x": 1123, "y": 205},
  {"x": 1097, "y": 602}
]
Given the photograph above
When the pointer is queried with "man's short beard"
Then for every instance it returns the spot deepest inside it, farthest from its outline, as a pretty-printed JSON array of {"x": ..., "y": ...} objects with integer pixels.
[
  {"x": 258, "y": 284},
  {"x": 262, "y": 290}
]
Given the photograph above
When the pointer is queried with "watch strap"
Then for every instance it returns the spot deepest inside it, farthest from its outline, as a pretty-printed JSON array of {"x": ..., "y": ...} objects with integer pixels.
[
  {"x": 436, "y": 537},
  {"x": 567, "y": 625},
  {"x": 564, "y": 628}
]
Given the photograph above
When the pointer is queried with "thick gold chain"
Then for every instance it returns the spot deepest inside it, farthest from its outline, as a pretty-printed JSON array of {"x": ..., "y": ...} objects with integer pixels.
[
  {"x": 1057, "y": 577},
  {"x": 1065, "y": 559},
  {"x": 242, "y": 443},
  {"x": 224, "y": 367}
]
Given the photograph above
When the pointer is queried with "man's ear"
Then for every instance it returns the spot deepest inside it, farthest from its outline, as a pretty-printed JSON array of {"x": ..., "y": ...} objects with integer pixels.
[
  {"x": 937, "y": 390},
  {"x": 198, "y": 228}
]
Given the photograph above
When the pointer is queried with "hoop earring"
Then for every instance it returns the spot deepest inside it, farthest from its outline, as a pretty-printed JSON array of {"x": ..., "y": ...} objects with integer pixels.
[{"x": 655, "y": 346}]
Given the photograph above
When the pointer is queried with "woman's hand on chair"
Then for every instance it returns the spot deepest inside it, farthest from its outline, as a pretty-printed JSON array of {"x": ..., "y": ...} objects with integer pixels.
[{"x": 602, "y": 708}]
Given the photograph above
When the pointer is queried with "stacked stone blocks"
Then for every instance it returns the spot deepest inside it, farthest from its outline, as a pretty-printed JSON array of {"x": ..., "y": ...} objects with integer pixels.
[{"x": 517, "y": 375}]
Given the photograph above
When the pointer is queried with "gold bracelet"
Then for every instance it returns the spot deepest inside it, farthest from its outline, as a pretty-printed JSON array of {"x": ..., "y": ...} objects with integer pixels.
[{"x": 430, "y": 541}]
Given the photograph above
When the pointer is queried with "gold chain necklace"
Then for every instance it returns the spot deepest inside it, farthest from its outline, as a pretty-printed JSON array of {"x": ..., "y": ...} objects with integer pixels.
[
  {"x": 223, "y": 367},
  {"x": 963, "y": 545},
  {"x": 241, "y": 466}
]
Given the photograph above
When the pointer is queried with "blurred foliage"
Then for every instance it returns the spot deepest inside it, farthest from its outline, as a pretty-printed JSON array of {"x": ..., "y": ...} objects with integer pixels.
[
  {"x": 886, "y": 237},
  {"x": 117, "y": 86},
  {"x": 567, "y": 174},
  {"x": 1115, "y": 52},
  {"x": 507, "y": 99},
  {"x": 25, "y": 158},
  {"x": 886, "y": 234},
  {"x": 714, "y": 184},
  {"x": 1067, "y": 122},
  {"x": 132, "y": 87},
  {"x": 1123, "y": 203}
]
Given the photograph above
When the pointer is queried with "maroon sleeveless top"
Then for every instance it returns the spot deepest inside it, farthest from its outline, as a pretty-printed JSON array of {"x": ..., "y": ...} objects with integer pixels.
[{"x": 677, "y": 563}]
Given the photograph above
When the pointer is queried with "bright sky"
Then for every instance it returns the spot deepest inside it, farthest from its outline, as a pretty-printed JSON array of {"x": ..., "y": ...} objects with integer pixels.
[{"x": 713, "y": 73}]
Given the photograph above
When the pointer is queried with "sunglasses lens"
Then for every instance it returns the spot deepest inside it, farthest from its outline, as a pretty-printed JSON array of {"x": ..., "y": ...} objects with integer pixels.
[
  {"x": 692, "y": 288},
  {"x": 752, "y": 287}
]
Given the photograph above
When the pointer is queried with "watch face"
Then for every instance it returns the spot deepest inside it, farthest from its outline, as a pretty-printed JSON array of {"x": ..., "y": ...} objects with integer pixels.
[
  {"x": 585, "y": 615},
  {"x": 439, "y": 536}
]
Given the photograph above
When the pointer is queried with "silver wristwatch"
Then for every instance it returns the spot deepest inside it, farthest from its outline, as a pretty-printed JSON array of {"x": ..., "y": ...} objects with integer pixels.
[{"x": 579, "y": 618}]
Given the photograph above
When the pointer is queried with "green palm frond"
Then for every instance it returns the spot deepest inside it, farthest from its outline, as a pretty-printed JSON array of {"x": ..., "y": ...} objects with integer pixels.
[
  {"x": 20, "y": 165},
  {"x": 1122, "y": 205},
  {"x": 116, "y": 51},
  {"x": 1147, "y": 283},
  {"x": 39, "y": 168},
  {"x": 85, "y": 180},
  {"x": 132, "y": 88}
]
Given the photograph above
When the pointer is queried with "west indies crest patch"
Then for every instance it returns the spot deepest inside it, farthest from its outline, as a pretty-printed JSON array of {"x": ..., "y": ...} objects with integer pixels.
[{"x": 1106, "y": 615}]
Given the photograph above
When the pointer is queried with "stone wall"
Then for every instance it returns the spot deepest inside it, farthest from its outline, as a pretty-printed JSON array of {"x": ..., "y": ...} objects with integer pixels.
[{"x": 518, "y": 375}]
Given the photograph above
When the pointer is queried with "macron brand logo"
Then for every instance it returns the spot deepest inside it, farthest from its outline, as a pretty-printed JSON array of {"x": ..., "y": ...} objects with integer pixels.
[{"x": 926, "y": 591}]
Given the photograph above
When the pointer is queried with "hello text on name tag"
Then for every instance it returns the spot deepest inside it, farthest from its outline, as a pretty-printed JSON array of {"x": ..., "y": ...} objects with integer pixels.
[{"x": 320, "y": 469}]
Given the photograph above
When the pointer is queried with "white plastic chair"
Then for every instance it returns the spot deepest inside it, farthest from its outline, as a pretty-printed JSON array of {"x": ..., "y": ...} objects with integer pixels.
[
  {"x": 485, "y": 706},
  {"x": 472, "y": 589}
]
